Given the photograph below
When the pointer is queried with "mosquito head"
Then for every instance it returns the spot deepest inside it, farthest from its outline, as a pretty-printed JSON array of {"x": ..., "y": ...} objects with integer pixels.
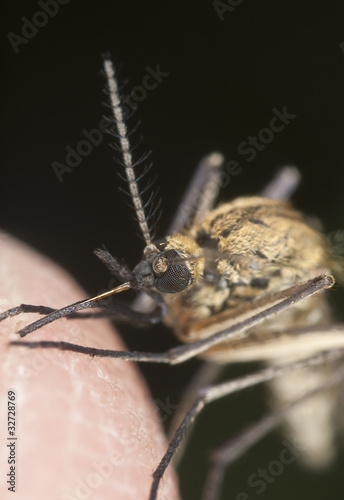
[{"x": 172, "y": 265}]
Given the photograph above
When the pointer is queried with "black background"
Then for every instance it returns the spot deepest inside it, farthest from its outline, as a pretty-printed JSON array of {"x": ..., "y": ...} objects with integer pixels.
[{"x": 225, "y": 77}]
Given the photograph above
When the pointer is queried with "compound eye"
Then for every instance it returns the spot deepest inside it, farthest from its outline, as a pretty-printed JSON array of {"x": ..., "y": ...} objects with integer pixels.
[{"x": 175, "y": 277}]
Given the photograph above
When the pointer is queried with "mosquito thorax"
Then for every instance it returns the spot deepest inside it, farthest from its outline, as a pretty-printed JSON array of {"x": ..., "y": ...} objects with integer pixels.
[{"x": 170, "y": 265}]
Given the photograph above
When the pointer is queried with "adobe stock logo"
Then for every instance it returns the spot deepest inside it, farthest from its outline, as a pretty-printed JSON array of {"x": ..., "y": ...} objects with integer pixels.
[
  {"x": 264, "y": 476},
  {"x": 39, "y": 19},
  {"x": 222, "y": 7},
  {"x": 254, "y": 144},
  {"x": 93, "y": 138}
]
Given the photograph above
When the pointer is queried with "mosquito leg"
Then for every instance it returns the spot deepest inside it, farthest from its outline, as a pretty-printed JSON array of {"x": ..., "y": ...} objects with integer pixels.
[
  {"x": 280, "y": 301},
  {"x": 118, "y": 309},
  {"x": 143, "y": 357},
  {"x": 201, "y": 193},
  {"x": 206, "y": 375},
  {"x": 283, "y": 185},
  {"x": 25, "y": 308},
  {"x": 212, "y": 393},
  {"x": 95, "y": 302},
  {"x": 233, "y": 449},
  {"x": 29, "y": 308}
]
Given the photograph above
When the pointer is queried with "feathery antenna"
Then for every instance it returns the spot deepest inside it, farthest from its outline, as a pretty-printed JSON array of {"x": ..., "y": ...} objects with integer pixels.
[{"x": 125, "y": 148}]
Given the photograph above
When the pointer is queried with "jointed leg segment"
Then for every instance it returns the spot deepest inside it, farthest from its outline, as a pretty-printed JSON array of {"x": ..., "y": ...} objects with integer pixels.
[
  {"x": 278, "y": 302},
  {"x": 232, "y": 450}
]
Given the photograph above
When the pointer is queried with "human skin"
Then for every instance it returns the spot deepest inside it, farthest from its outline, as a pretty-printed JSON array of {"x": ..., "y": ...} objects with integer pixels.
[{"x": 86, "y": 427}]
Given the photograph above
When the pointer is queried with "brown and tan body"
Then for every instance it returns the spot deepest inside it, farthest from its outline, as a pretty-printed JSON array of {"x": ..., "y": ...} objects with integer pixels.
[{"x": 249, "y": 249}]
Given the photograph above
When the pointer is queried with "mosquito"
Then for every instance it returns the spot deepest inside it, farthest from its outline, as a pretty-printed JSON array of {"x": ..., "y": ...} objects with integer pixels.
[{"x": 243, "y": 281}]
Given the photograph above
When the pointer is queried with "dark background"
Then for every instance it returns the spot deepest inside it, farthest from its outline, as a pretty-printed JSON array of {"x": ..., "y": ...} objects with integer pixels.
[{"x": 225, "y": 79}]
